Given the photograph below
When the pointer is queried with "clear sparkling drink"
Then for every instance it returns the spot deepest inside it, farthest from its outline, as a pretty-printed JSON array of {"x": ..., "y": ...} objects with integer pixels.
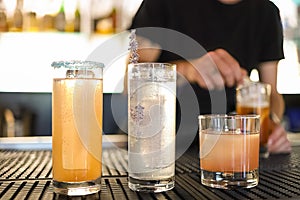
[{"x": 151, "y": 127}]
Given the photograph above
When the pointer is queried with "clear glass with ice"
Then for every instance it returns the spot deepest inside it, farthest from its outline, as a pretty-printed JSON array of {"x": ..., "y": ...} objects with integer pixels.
[{"x": 151, "y": 126}]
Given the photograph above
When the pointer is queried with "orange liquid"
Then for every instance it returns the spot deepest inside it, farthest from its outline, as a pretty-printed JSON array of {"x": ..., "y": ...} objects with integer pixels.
[
  {"x": 229, "y": 152},
  {"x": 264, "y": 113},
  {"x": 76, "y": 159}
]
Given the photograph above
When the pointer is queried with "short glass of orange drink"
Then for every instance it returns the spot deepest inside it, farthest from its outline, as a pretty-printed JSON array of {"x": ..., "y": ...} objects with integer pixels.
[{"x": 229, "y": 150}]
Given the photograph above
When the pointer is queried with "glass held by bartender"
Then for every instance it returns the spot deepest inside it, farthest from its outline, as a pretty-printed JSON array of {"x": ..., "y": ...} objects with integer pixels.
[
  {"x": 254, "y": 98},
  {"x": 229, "y": 150},
  {"x": 151, "y": 126},
  {"x": 77, "y": 100}
]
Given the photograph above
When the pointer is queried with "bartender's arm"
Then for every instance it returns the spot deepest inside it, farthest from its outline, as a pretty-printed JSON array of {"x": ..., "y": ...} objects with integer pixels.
[
  {"x": 213, "y": 70},
  {"x": 278, "y": 142}
]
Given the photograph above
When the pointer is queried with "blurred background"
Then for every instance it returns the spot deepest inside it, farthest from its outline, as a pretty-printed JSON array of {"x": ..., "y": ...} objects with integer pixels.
[{"x": 34, "y": 33}]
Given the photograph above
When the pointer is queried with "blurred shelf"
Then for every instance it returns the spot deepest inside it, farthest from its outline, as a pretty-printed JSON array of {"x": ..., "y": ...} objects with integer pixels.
[{"x": 26, "y": 58}]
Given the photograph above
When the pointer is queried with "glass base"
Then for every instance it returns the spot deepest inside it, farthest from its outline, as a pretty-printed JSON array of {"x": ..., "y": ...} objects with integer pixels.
[
  {"x": 225, "y": 180},
  {"x": 151, "y": 185},
  {"x": 77, "y": 188}
]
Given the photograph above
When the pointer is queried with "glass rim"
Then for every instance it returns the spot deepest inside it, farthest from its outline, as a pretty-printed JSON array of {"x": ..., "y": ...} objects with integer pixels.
[
  {"x": 152, "y": 63},
  {"x": 253, "y": 83},
  {"x": 77, "y": 64},
  {"x": 228, "y": 116}
]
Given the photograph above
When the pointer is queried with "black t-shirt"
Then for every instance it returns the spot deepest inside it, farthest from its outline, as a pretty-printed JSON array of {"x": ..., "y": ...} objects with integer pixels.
[{"x": 251, "y": 31}]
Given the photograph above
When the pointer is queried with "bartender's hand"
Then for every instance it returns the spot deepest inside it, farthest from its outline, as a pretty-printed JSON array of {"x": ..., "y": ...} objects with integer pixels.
[
  {"x": 214, "y": 70},
  {"x": 278, "y": 141}
]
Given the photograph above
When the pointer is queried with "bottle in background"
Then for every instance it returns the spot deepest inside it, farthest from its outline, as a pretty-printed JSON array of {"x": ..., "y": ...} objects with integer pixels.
[
  {"x": 60, "y": 19},
  {"x": 47, "y": 23},
  {"x": 107, "y": 24},
  {"x": 77, "y": 18},
  {"x": 17, "y": 21},
  {"x": 30, "y": 22},
  {"x": 3, "y": 17}
]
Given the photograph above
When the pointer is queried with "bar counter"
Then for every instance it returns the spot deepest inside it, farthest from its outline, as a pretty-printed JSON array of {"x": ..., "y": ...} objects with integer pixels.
[{"x": 26, "y": 173}]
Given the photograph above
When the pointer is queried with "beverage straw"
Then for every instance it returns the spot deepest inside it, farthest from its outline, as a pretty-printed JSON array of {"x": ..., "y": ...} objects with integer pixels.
[{"x": 133, "y": 46}]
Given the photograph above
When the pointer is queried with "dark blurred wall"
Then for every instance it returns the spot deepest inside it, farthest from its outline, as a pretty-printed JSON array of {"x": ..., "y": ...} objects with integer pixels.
[
  {"x": 33, "y": 113},
  {"x": 292, "y": 112}
]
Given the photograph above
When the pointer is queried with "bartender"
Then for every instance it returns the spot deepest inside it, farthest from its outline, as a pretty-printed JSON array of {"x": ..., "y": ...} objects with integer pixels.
[{"x": 236, "y": 35}]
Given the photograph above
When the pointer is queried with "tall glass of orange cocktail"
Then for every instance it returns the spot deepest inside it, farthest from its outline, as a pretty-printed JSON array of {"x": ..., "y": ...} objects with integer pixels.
[
  {"x": 77, "y": 127},
  {"x": 229, "y": 150}
]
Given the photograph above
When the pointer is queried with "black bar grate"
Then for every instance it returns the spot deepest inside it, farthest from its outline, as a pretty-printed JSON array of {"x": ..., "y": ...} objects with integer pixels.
[
  {"x": 19, "y": 165},
  {"x": 27, "y": 175}
]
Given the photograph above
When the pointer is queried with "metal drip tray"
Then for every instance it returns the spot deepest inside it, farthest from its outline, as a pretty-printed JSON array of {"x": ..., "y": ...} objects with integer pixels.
[{"x": 26, "y": 174}]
